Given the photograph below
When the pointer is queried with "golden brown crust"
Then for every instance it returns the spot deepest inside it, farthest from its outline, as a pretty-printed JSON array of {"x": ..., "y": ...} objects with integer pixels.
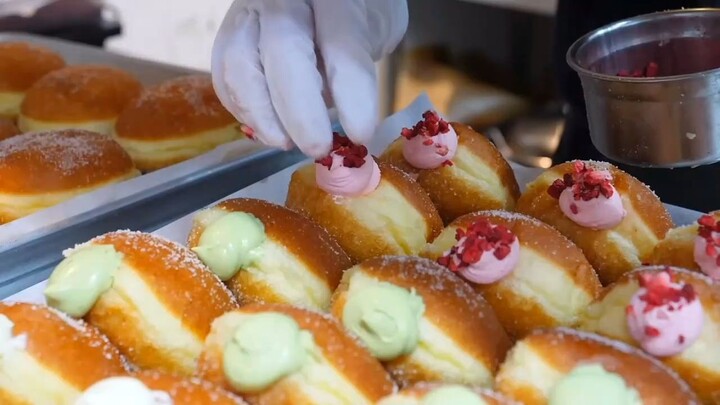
[
  {"x": 564, "y": 349},
  {"x": 7, "y": 129},
  {"x": 174, "y": 109},
  {"x": 300, "y": 236},
  {"x": 346, "y": 355},
  {"x": 356, "y": 239},
  {"x": 186, "y": 391},
  {"x": 179, "y": 281},
  {"x": 421, "y": 389},
  {"x": 453, "y": 195},
  {"x": 76, "y": 352},
  {"x": 677, "y": 249},
  {"x": 80, "y": 93},
  {"x": 608, "y": 259},
  {"x": 22, "y": 64},
  {"x": 517, "y": 314},
  {"x": 61, "y": 161},
  {"x": 450, "y": 304}
]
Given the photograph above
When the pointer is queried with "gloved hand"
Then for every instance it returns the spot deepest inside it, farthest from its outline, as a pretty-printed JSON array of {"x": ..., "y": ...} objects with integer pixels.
[{"x": 279, "y": 65}]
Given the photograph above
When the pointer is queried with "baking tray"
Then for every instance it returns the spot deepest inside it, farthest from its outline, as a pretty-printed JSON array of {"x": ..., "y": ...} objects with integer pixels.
[{"x": 31, "y": 244}]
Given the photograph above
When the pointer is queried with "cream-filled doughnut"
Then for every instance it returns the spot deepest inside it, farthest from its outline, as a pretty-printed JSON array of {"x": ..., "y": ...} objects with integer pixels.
[
  {"x": 153, "y": 298},
  {"x": 445, "y": 394},
  {"x": 42, "y": 169},
  {"x": 154, "y": 388},
  {"x": 21, "y": 65},
  {"x": 532, "y": 275},
  {"x": 88, "y": 97},
  {"x": 371, "y": 209},
  {"x": 268, "y": 253},
  {"x": 278, "y": 354},
  {"x": 614, "y": 218},
  {"x": 48, "y": 358},
  {"x": 175, "y": 121},
  {"x": 673, "y": 314},
  {"x": 461, "y": 170},
  {"x": 566, "y": 367},
  {"x": 423, "y": 322},
  {"x": 693, "y": 247},
  {"x": 7, "y": 129}
]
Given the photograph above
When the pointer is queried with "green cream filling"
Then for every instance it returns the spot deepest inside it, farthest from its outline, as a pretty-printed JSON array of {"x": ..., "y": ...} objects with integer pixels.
[{"x": 591, "y": 384}]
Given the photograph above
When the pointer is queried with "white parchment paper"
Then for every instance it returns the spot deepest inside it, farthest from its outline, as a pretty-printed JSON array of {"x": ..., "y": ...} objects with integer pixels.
[{"x": 274, "y": 188}]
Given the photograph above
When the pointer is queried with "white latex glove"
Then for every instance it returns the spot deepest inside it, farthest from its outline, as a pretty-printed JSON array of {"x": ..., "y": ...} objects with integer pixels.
[{"x": 279, "y": 65}]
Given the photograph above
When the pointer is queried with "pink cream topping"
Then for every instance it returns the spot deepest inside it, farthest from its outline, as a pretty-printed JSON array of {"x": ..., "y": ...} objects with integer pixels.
[
  {"x": 588, "y": 197},
  {"x": 431, "y": 143},
  {"x": 348, "y": 170},
  {"x": 665, "y": 317},
  {"x": 707, "y": 246},
  {"x": 484, "y": 253}
]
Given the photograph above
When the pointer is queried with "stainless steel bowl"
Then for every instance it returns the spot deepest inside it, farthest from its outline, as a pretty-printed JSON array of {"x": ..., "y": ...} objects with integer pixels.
[{"x": 671, "y": 120}]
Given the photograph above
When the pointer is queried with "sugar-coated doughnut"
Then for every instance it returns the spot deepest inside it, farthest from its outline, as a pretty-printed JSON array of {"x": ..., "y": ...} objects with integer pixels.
[
  {"x": 175, "y": 121},
  {"x": 678, "y": 321},
  {"x": 461, "y": 170},
  {"x": 49, "y": 358},
  {"x": 21, "y": 65},
  {"x": 39, "y": 170},
  {"x": 278, "y": 354},
  {"x": 269, "y": 253},
  {"x": 566, "y": 367},
  {"x": 7, "y": 129},
  {"x": 614, "y": 218},
  {"x": 445, "y": 394},
  {"x": 371, "y": 209},
  {"x": 422, "y": 321},
  {"x": 152, "y": 387},
  {"x": 87, "y": 97},
  {"x": 532, "y": 275},
  {"x": 153, "y": 298}
]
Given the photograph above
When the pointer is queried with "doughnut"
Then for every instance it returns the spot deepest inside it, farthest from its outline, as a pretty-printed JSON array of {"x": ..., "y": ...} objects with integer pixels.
[
  {"x": 423, "y": 322},
  {"x": 39, "y": 170},
  {"x": 445, "y": 394},
  {"x": 152, "y": 387},
  {"x": 49, "y": 358},
  {"x": 671, "y": 313},
  {"x": 268, "y": 253},
  {"x": 175, "y": 121},
  {"x": 21, "y": 65},
  {"x": 153, "y": 298},
  {"x": 371, "y": 209},
  {"x": 461, "y": 170},
  {"x": 566, "y": 367},
  {"x": 279, "y": 354},
  {"x": 614, "y": 218},
  {"x": 86, "y": 97},
  {"x": 531, "y": 275},
  {"x": 693, "y": 247},
  {"x": 7, "y": 129}
]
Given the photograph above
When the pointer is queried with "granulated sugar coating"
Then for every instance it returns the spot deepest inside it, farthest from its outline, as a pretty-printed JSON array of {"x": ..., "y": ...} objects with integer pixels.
[
  {"x": 188, "y": 390},
  {"x": 61, "y": 161}
]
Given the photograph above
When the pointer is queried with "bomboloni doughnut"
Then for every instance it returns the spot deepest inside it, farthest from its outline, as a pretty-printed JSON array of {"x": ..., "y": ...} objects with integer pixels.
[
  {"x": 614, "y": 218},
  {"x": 49, "y": 358},
  {"x": 371, "y": 209},
  {"x": 278, "y": 354},
  {"x": 153, "y": 298},
  {"x": 566, "y": 367},
  {"x": 7, "y": 129},
  {"x": 21, "y": 65},
  {"x": 423, "y": 322},
  {"x": 445, "y": 394},
  {"x": 175, "y": 121},
  {"x": 87, "y": 97},
  {"x": 532, "y": 275},
  {"x": 693, "y": 247},
  {"x": 154, "y": 388},
  {"x": 268, "y": 253},
  {"x": 461, "y": 170},
  {"x": 671, "y": 313},
  {"x": 39, "y": 170}
]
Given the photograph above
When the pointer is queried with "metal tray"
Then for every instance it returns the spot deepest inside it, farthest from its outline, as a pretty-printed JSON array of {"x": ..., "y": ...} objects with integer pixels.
[{"x": 32, "y": 245}]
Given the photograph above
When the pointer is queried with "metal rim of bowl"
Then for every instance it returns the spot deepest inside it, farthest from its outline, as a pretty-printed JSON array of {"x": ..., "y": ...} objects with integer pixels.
[{"x": 575, "y": 47}]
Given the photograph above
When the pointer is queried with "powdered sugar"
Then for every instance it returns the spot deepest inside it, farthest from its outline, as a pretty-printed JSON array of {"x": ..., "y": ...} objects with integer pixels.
[{"x": 192, "y": 90}]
